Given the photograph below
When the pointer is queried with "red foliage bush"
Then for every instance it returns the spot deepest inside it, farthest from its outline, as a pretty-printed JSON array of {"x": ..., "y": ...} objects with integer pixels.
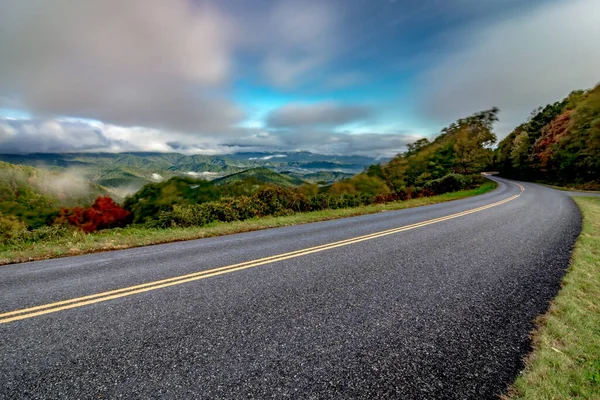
[{"x": 103, "y": 214}]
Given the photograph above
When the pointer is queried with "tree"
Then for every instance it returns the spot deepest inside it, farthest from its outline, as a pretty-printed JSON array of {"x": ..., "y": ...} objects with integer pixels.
[
  {"x": 519, "y": 154},
  {"x": 462, "y": 147},
  {"x": 9, "y": 225},
  {"x": 559, "y": 143},
  {"x": 103, "y": 214}
]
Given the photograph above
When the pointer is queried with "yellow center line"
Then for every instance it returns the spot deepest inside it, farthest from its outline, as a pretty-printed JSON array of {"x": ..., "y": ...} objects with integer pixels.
[{"x": 30, "y": 312}]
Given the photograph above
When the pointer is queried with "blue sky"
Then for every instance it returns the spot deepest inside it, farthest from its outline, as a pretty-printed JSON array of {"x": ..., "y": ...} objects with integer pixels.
[{"x": 331, "y": 76}]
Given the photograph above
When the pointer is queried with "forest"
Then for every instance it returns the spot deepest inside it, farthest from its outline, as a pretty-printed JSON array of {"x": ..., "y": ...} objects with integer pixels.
[{"x": 559, "y": 143}]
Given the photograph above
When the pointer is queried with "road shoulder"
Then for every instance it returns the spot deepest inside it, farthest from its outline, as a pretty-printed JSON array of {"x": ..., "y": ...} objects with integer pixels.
[{"x": 565, "y": 362}]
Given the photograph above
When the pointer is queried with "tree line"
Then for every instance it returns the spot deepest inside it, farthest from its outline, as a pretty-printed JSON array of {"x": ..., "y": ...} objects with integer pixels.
[{"x": 559, "y": 143}]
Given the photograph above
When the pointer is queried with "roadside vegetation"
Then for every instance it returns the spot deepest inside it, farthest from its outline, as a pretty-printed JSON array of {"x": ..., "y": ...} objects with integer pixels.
[
  {"x": 34, "y": 223},
  {"x": 565, "y": 363},
  {"x": 61, "y": 240}
]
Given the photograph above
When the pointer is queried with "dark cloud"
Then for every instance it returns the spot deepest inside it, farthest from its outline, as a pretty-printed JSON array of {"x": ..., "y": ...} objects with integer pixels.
[
  {"x": 319, "y": 115},
  {"x": 51, "y": 136},
  {"x": 137, "y": 62},
  {"x": 69, "y": 135}
]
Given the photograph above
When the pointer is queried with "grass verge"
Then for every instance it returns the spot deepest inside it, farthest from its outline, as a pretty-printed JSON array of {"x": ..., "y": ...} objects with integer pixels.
[
  {"x": 572, "y": 188},
  {"x": 136, "y": 236},
  {"x": 565, "y": 362}
]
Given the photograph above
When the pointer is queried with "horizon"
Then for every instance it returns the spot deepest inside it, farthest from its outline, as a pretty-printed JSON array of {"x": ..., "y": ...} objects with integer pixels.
[
  {"x": 334, "y": 78},
  {"x": 271, "y": 154}
]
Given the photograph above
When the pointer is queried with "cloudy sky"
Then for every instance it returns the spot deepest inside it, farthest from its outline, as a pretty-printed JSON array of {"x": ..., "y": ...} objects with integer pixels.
[{"x": 330, "y": 76}]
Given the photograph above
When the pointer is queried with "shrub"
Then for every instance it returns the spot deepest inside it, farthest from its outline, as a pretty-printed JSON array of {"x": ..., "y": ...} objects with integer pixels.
[
  {"x": 103, "y": 214},
  {"x": 322, "y": 201},
  {"x": 245, "y": 207},
  {"x": 448, "y": 183},
  {"x": 44, "y": 233},
  {"x": 225, "y": 210},
  {"x": 188, "y": 215},
  {"x": 9, "y": 226},
  {"x": 272, "y": 199},
  {"x": 299, "y": 202}
]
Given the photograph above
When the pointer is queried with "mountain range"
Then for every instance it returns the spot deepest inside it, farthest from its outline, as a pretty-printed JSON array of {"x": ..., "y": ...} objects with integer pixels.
[{"x": 125, "y": 173}]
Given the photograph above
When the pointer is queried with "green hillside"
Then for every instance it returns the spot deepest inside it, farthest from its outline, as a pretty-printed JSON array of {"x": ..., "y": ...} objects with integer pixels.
[
  {"x": 461, "y": 148},
  {"x": 320, "y": 177},
  {"x": 36, "y": 195},
  {"x": 153, "y": 198},
  {"x": 125, "y": 173},
  {"x": 260, "y": 175}
]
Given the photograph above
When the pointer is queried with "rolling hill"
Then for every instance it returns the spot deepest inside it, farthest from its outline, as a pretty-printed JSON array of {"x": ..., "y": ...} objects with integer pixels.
[
  {"x": 35, "y": 195},
  {"x": 125, "y": 173},
  {"x": 262, "y": 175}
]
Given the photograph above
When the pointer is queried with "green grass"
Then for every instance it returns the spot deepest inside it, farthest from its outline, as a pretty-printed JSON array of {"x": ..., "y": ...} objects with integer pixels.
[
  {"x": 135, "y": 236},
  {"x": 565, "y": 363},
  {"x": 573, "y": 188}
]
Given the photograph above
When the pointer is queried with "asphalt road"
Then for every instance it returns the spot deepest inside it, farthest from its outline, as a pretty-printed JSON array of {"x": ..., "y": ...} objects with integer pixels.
[{"x": 436, "y": 310}]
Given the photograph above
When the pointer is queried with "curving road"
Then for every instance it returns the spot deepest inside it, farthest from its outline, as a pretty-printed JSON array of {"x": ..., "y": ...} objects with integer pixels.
[{"x": 432, "y": 302}]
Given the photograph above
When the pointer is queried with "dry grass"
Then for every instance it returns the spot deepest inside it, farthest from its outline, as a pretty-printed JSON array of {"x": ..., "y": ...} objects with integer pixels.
[
  {"x": 565, "y": 363},
  {"x": 136, "y": 236}
]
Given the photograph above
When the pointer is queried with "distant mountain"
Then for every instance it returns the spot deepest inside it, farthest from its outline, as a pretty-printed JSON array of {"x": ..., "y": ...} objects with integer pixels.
[
  {"x": 125, "y": 173},
  {"x": 303, "y": 156},
  {"x": 325, "y": 177},
  {"x": 262, "y": 175}
]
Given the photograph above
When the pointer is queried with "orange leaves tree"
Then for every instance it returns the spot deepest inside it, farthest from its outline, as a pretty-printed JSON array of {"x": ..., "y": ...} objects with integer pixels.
[{"x": 103, "y": 214}]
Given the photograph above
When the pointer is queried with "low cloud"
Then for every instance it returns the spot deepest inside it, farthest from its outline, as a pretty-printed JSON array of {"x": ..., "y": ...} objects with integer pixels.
[
  {"x": 204, "y": 175},
  {"x": 68, "y": 135},
  {"x": 72, "y": 183},
  {"x": 518, "y": 64},
  {"x": 320, "y": 115},
  {"x": 268, "y": 157}
]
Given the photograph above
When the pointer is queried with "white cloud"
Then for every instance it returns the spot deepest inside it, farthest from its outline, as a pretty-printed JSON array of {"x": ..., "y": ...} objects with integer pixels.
[
  {"x": 518, "y": 64},
  {"x": 204, "y": 175},
  {"x": 268, "y": 157}
]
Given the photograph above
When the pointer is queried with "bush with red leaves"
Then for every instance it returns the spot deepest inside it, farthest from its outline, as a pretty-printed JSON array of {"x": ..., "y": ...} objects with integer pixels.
[{"x": 103, "y": 214}]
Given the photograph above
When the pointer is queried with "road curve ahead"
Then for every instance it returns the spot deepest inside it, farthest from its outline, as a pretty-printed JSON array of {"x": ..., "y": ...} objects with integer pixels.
[{"x": 432, "y": 302}]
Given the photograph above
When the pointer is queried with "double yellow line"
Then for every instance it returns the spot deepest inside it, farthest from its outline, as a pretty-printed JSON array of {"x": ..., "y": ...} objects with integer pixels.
[{"x": 31, "y": 312}]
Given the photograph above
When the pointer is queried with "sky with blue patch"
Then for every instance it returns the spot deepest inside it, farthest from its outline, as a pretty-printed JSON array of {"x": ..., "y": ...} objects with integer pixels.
[{"x": 330, "y": 76}]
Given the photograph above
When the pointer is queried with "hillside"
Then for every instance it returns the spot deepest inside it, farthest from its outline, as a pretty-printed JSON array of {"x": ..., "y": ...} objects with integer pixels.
[
  {"x": 461, "y": 148},
  {"x": 321, "y": 177},
  {"x": 261, "y": 175},
  {"x": 560, "y": 143},
  {"x": 36, "y": 195}
]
